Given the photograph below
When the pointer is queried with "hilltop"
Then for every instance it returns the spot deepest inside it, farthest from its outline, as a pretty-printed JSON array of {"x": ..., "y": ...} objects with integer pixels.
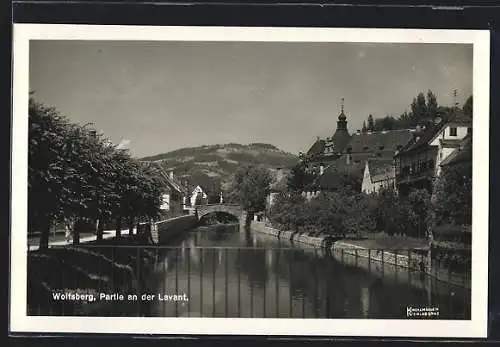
[{"x": 213, "y": 165}]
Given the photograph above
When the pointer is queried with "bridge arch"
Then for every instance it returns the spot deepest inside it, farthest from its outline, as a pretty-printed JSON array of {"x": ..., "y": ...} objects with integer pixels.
[{"x": 234, "y": 210}]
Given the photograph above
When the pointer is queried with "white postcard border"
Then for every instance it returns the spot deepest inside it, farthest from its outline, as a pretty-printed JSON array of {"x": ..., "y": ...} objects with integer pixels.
[{"x": 20, "y": 322}]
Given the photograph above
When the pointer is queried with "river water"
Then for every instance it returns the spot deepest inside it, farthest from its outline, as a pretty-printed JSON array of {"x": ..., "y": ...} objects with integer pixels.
[{"x": 225, "y": 272}]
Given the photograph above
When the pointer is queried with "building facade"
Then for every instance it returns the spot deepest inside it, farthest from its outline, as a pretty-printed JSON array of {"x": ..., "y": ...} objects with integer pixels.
[
  {"x": 174, "y": 191},
  {"x": 345, "y": 152},
  {"x": 419, "y": 162}
]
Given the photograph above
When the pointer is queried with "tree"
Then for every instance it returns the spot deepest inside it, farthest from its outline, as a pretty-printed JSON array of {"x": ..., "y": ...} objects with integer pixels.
[
  {"x": 287, "y": 212},
  {"x": 251, "y": 186},
  {"x": 346, "y": 179},
  {"x": 364, "y": 129},
  {"x": 467, "y": 107},
  {"x": 386, "y": 123},
  {"x": 419, "y": 108},
  {"x": 419, "y": 203},
  {"x": 371, "y": 124},
  {"x": 299, "y": 178},
  {"x": 47, "y": 140},
  {"x": 453, "y": 195},
  {"x": 432, "y": 105},
  {"x": 75, "y": 174}
]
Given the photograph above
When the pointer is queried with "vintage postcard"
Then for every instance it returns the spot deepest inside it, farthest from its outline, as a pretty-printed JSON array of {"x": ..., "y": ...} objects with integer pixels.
[{"x": 250, "y": 181}]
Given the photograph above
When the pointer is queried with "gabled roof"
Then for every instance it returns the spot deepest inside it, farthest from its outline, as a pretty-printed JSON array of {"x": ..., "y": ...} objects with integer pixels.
[
  {"x": 422, "y": 139},
  {"x": 460, "y": 155},
  {"x": 172, "y": 183},
  {"x": 317, "y": 148},
  {"x": 391, "y": 140},
  {"x": 456, "y": 118},
  {"x": 381, "y": 169}
]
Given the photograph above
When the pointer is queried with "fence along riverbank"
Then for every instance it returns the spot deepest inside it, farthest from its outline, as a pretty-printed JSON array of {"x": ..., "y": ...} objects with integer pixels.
[
  {"x": 114, "y": 264},
  {"x": 415, "y": 262}
]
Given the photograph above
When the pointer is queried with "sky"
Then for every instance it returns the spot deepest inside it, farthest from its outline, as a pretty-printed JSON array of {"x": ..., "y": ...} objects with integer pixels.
[{"x": 155, "y": 97}]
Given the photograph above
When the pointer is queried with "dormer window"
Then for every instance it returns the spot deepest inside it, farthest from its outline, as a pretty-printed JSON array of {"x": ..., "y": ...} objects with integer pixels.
[
  {"x": 453, "y": 131},
  {"x": 365, "y": 148},
  {"x": 381, "y": 148}
]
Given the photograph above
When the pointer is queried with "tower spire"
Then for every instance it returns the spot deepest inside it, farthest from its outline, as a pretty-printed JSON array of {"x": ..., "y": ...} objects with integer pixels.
[
  {"x": 342, "y": 120},
  {"x": 455, "y": 103}
]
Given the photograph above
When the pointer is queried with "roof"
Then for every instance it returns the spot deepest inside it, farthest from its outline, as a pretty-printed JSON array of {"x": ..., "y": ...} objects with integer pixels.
[
  {"x": 387, "y": 142},
  {"x": 422, "y": 139},
  {"x": 457, "y": 117},
  {"x": 450, "y": 142},
  {"x": 340, "y": 140},
  {"x": 460, "y": 155},
  {"x": 335, "y": 173},
  {"x": 390, "y": 140},
  {"x": 381, "y": 169},
  {"x": 317, "y": 148},
  {"x": 172, "y": 183}
]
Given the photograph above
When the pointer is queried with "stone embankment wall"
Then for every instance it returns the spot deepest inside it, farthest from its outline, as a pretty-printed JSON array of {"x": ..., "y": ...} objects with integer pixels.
[{"x": 164, "y": 230}]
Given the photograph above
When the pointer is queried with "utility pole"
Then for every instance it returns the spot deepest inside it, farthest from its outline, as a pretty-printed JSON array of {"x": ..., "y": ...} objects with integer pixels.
[{"x": 455, "y": 102}]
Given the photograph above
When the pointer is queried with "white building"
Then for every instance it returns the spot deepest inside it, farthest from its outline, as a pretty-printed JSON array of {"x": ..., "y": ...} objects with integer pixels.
[
  {"x": 379, "y": 173},
  {"x": 449, "y": 138},
  {"x": 197, "y": 193}
]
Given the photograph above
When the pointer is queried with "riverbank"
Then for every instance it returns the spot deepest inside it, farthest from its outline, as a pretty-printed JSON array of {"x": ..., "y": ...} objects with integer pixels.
[
  {"x": 415, "y": 261},
  {"x": 114, "y": 265},
  {"x": 86, "y": 270}
]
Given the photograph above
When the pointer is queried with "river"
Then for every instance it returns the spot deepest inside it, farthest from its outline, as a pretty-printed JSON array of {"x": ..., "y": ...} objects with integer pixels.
[{"x": 225, "y": 272}]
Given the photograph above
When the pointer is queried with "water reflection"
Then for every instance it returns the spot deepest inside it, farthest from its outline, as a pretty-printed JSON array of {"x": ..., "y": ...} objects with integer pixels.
[{"x": 228, "y": 273}]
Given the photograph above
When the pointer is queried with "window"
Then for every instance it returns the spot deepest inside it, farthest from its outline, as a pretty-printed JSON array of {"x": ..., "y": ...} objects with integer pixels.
[
  {"x": 453, "y": 131},
  {"x": 469, "y": 130}
]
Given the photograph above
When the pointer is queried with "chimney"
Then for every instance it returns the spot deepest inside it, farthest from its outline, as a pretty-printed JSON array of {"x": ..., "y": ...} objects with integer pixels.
[
  {"x": 171, "y": 175},
  {"x": 321, "y": 169},
  {"x": 348, "y": 159}
]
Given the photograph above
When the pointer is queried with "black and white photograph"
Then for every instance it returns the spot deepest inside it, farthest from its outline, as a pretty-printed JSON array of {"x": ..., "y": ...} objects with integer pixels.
[{"x": 250, "y": 180}]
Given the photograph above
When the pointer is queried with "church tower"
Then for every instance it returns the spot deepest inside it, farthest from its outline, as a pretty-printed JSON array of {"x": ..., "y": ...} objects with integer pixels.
[
  {"x": 342, "y": 122},
  {"x": 341, "y": 136}
]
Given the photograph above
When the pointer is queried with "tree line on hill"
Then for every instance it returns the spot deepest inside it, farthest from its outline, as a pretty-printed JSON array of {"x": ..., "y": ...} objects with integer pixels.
[
  {"x": 423, "y": 108},
  {"x": 75, "y": 174}
]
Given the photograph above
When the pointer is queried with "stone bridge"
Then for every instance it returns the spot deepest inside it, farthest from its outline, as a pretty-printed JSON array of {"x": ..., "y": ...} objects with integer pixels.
[{"x": 234, "y": 210}]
